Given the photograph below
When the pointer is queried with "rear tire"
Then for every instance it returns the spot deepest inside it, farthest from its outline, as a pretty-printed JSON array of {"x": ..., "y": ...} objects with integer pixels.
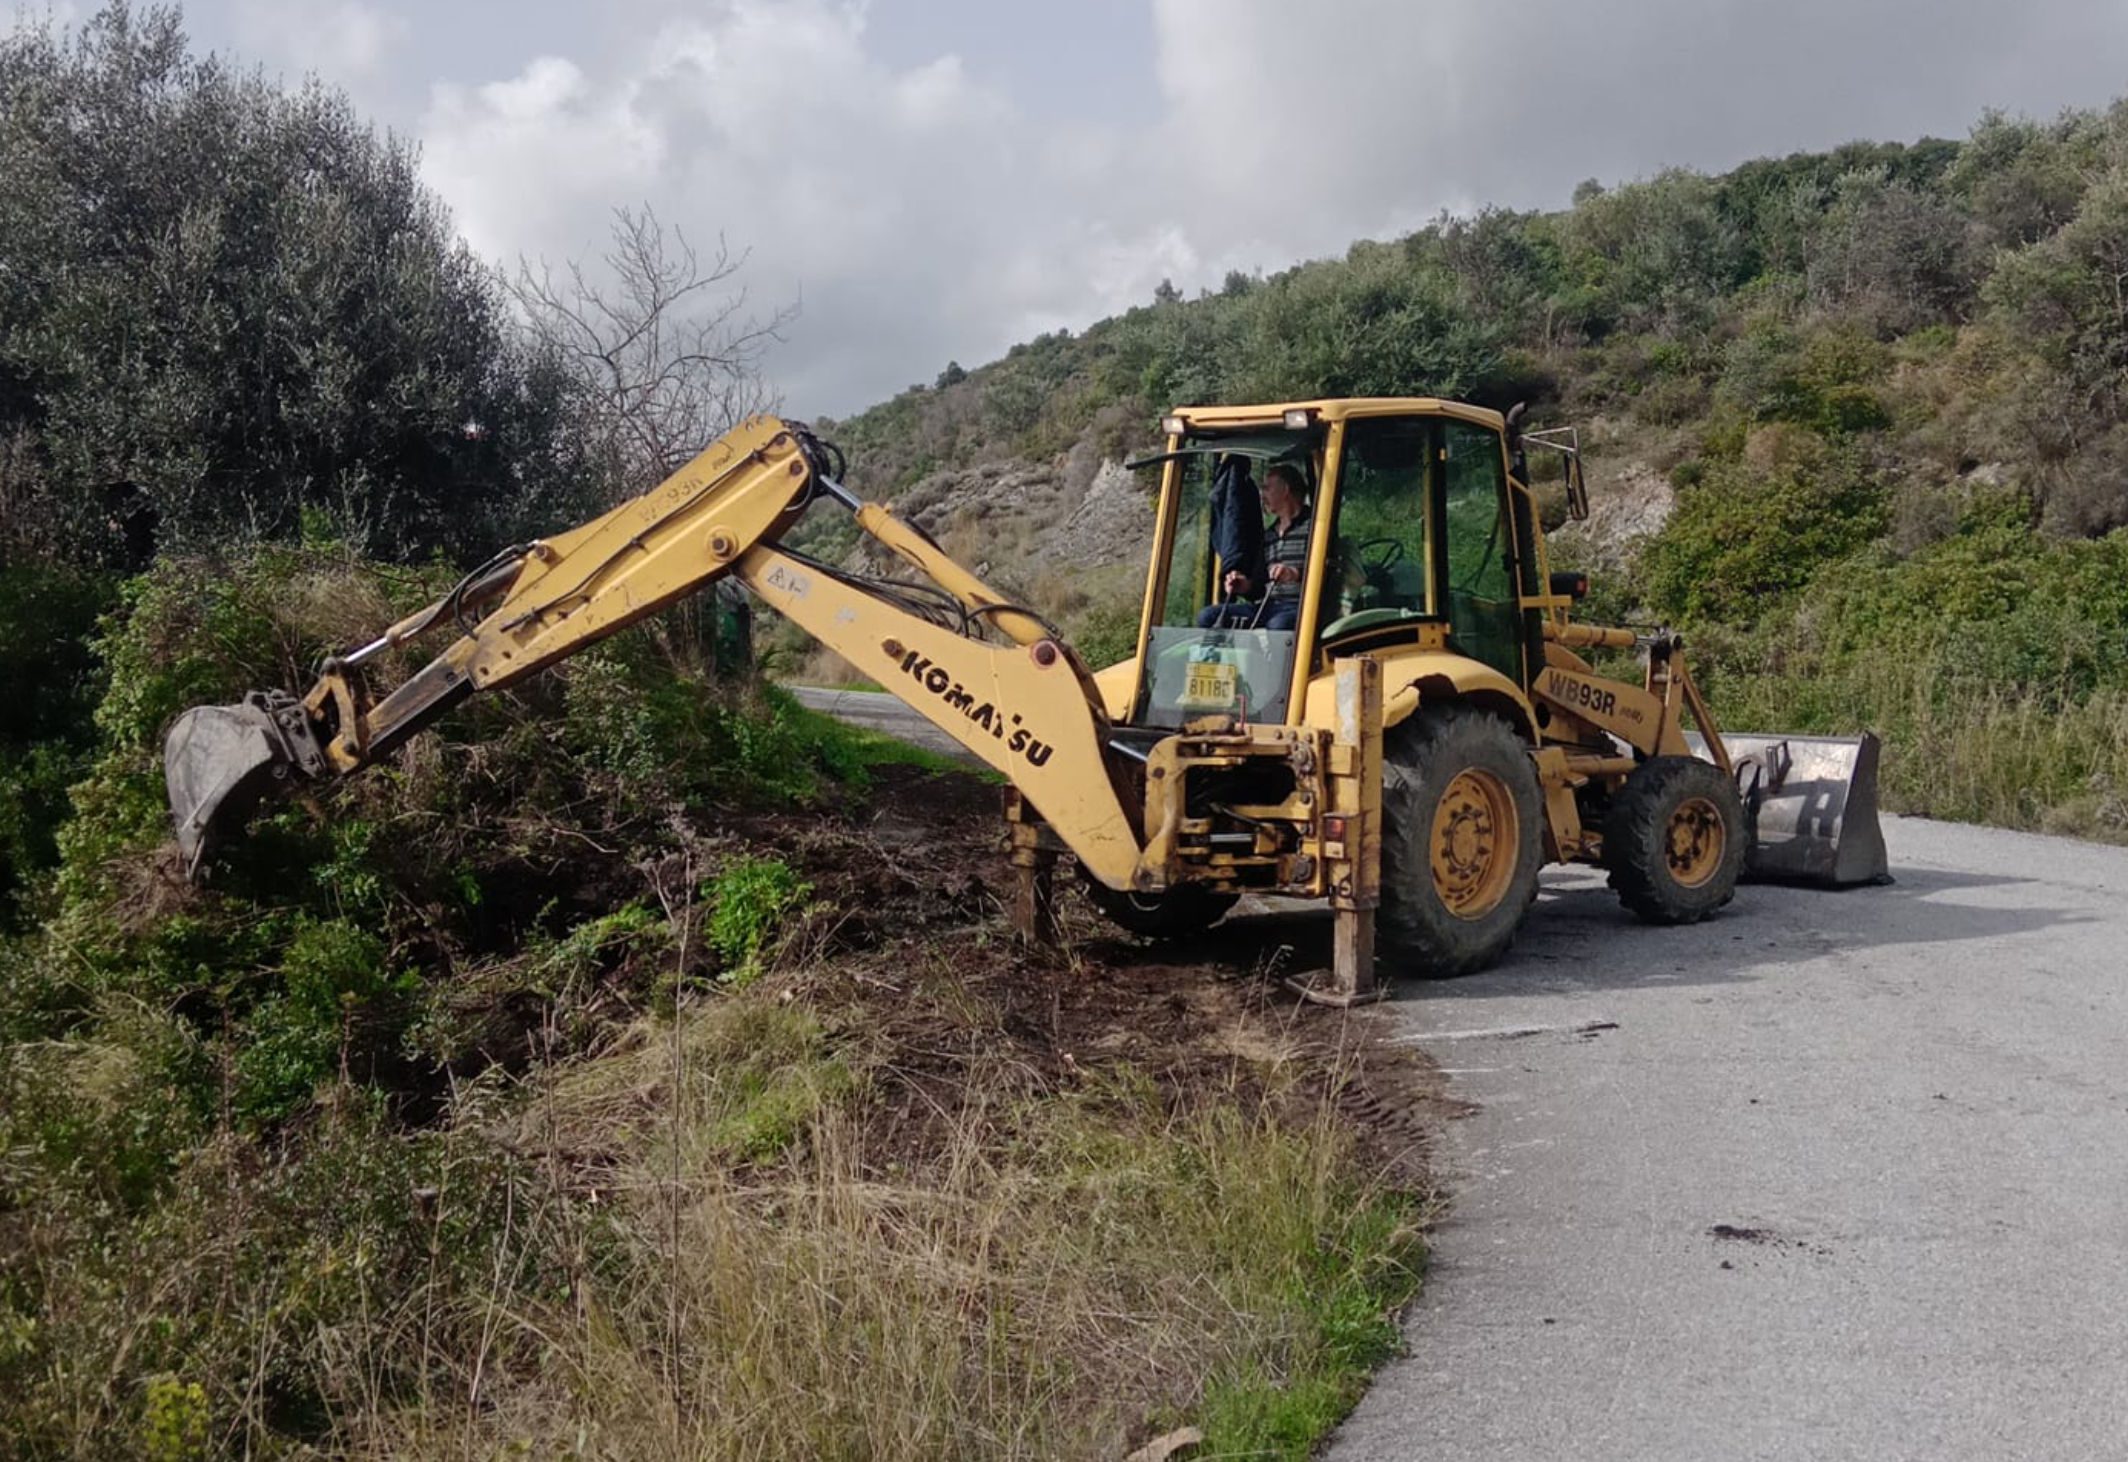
[
  {"x": 1675, "y": 839},
  {"x": 1175, "y": 914},
  {"x": 1462, "y": 841}
]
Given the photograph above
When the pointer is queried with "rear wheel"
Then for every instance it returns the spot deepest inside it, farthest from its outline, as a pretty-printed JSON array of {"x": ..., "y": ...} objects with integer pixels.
[
  {"x": 1461, "y": 841},
  {"x": 1190, "y": 909},
  {"x": 1675, "y": 840}
]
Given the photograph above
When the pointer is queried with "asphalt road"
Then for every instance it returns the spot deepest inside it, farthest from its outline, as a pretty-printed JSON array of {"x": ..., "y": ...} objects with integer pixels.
[
  {"x": 1833, "y": 1175},
  {"x": 1909, "y": 1108},
  {"x": 875, "y": 710}
]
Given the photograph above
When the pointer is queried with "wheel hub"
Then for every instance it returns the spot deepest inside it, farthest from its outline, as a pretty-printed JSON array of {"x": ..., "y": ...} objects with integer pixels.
[
  {"x": 1694, "y": 841},
  {"x": 1476, "y": 836}
]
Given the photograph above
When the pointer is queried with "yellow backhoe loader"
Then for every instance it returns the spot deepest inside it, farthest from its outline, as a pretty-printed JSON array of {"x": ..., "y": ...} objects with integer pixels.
[{"x": 1395, "y": 717}]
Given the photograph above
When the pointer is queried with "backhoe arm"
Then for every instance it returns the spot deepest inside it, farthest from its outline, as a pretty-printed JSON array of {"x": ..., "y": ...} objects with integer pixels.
[{"x": 1027, "y": 708}]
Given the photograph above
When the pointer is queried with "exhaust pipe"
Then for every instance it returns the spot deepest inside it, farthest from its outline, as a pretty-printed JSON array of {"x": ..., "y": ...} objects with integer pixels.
[
  {"x": 1812, "y": 801},
  {"x": 220, "y": 761}
]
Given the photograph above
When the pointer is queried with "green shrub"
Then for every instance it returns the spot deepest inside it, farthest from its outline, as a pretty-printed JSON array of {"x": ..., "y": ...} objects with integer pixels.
[
  {"x": 47, "y": 619},
  {"x": 1107, "y": 633},
  {"x": 175, "y": 1425},
  {"x": 748, "y": 901},
  {"x": 333, "y": 998},
  {"x": 1827, "y": 380},
  {"x": 1745, "y": 535}
]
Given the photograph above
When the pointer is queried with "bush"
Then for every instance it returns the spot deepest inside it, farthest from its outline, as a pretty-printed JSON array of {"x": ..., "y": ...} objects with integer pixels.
[
  {"x": 47, "y": 614},
  {"x": 1748, "y": 534},
  {"x": 748, "y": 901},
  {"x": 226, "y": 304}
]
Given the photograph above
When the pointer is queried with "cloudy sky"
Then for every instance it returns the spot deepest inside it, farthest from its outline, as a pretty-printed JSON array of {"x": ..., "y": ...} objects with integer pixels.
[{"x": 935, "y": 179}]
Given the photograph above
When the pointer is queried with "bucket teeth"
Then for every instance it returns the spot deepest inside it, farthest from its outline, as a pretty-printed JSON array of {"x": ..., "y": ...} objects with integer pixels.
[
  {"x": 219, "y": 761},
  {"x": 1813, "y": 804}
]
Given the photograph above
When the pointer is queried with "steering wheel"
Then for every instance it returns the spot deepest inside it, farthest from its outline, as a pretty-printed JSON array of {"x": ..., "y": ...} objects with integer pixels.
[{"x": 1379, "y": 554}]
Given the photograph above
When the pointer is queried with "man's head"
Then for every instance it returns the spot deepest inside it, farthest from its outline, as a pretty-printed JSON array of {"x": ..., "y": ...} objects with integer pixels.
[{"x": 1283, "y": 490}]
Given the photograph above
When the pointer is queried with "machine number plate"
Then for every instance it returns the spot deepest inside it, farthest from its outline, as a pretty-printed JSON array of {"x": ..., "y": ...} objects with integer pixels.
[{"x": 1209, "y": 686}]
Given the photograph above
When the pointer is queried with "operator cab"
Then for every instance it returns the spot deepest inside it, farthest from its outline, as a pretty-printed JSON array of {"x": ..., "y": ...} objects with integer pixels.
[{"x": 1413, "y": 537}]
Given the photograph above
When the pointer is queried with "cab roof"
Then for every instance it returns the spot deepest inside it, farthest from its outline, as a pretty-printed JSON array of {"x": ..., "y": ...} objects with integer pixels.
[{"x": 1339, "y": 408}]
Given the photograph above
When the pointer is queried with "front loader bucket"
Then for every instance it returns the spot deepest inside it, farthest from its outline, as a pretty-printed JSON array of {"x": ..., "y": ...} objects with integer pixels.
[
  {"x": 218, "y": 761},
  {"x": 1813, "y": 804}
]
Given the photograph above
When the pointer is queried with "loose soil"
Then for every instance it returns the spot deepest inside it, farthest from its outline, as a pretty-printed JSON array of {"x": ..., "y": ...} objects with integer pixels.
[{"x": 907, "y": 938}]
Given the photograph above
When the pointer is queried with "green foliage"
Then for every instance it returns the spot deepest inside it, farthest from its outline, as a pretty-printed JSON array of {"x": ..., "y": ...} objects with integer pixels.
[
  {"x": 768, "y": 1073},
  {"x": 174, "y": 1426},
  {"x": 1746, "y": 534},
  {"x": 45, "y": 614},
  {"x": 749, "y": 901},
  {"x": 407, "y": 917},
  {"x": 1654, "y": 255},
  {"x": 1346, "y": 1284},
  {"x": 334, "y": 984},
  {"x": 2021, "y": 179},
  {"x": 1107, "y": 632},
  {"x": 260, "y": 1296},
  {"x": 225, "y": 303},
  {"x": 1824, "y": 380},
  {"x": 661, "y": 735}
]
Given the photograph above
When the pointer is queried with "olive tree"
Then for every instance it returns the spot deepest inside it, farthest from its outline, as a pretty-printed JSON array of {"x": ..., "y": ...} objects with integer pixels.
[{"x": 224, "y": 306}]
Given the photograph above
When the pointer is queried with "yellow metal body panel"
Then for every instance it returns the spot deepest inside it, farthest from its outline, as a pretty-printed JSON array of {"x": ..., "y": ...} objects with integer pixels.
[
  {"x": 1034, "y": 722},
  {"x": 1633, "y": 715},
  {"x": 1115, "y": 684},
  {"x": 1414, "y": 676}
]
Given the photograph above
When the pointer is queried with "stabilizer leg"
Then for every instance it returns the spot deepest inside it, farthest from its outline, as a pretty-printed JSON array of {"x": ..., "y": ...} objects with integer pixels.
[
  {"x": 1034, "y": 877},
  {"x": 1355, "y": 874}
]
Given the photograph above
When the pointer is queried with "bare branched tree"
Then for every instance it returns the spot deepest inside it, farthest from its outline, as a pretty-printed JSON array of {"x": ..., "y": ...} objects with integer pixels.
[
  {"x": 660, "y": 347},
  {"x": 662, "y": 355}
]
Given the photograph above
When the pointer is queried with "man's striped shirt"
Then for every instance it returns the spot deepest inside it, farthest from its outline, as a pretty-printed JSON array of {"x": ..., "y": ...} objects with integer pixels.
[{"x": 1288, "y": 547}]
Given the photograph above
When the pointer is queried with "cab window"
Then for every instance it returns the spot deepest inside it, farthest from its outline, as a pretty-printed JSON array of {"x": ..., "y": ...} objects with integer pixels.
[
  {"x": 1482, "y": 614},
  {"x": 1380, "y": 553}
]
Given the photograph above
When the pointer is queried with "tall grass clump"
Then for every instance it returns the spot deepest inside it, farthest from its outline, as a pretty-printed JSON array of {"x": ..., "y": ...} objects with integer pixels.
[{"x": 1056, "y": 1273}]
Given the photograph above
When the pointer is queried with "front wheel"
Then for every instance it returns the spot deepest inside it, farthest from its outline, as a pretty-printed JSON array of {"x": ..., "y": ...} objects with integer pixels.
[
  {"x": 1675, "y": 840},
  {"x": 1462, "y": 840}
]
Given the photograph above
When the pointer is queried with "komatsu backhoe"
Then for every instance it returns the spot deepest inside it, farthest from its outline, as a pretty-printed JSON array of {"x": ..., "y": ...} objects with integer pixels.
[{"x": 1403, "y": 725}]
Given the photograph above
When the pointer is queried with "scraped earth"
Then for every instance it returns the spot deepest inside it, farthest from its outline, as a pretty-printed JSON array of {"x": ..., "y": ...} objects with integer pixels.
[{"x": 910, "y": 888}]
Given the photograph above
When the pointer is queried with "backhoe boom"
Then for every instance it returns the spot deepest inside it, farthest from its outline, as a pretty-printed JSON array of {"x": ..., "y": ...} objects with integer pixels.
[{"x": 1027, "y": 708}]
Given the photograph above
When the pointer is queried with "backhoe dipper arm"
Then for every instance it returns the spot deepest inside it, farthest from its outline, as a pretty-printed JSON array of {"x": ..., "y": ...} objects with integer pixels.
[{"x": 1028, "y": 708}]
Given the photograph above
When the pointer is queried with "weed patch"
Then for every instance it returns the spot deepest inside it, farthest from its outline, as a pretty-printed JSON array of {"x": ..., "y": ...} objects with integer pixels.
[{"x": 749, "y": 902}]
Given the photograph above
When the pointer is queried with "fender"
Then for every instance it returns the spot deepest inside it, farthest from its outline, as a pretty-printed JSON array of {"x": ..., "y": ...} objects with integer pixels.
[{"x": 1412, "y": 677}]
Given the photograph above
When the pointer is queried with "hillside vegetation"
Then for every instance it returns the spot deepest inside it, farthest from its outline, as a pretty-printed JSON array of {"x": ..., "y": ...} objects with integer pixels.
[{"x": 1873, "y": 404}]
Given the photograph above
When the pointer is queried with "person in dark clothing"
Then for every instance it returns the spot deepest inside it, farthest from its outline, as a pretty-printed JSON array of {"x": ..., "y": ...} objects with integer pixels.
[
  {"x": 1285, "y": 498},
  {"x": 1237, "y": 518}
]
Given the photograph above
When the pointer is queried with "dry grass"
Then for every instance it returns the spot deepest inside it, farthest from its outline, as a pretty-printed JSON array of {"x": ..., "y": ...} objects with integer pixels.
[
  {"x": 1051, "y": 1276},
  {"x": 865, "y": 1209}
]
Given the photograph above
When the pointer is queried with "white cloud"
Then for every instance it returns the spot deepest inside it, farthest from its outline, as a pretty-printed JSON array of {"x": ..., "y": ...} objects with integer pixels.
[
  {"x": 917, "y": 212},
  {"x": 346, "y": 39}
]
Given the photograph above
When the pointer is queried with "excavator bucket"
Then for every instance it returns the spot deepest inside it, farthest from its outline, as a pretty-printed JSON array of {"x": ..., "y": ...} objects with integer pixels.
[
  {"x": 219, "y": 761},
  {"x": 1813, "y": 804}
]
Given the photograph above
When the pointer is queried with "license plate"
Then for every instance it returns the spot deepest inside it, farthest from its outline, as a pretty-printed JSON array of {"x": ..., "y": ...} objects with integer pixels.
[{"x": 1209, "y": 687}]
